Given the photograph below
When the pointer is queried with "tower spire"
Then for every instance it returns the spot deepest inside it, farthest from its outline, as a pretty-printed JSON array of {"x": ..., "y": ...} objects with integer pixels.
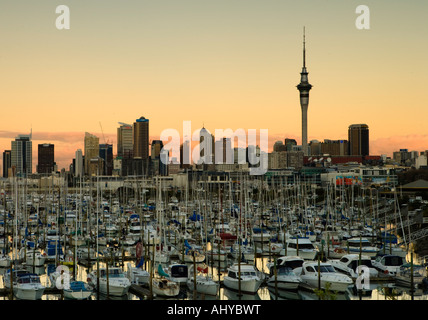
[
  {"x": 304, "y": 48},
  {"x": 304, "y": 87}
]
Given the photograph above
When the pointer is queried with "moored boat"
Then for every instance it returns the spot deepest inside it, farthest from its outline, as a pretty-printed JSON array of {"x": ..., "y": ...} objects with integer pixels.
[
  {"x": 302, "y": 247},
  {"x": 165, "y": 288},
  {"x": 404, "y": 276},
  {"x": 363, "y": 245},
  {"x": 284, "y": 279},
  {"x": 137, "y": 275},
  {"x": 243, "y": 277},
  {"x": 349, "y": 263},
  {"x": 204, "y": 282},
  {"x": 117, "y": 283},
  {"x": 78, "y": 290},
  {"x": 325, "y": 275},
  {"x": 26, "y": 285}
]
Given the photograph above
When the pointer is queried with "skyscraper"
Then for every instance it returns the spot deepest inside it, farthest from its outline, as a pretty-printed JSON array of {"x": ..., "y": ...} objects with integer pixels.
[
  {"x": 46, "y": 158},
  {"x": 22, "y": 155},
  {"x": 157, "y": 146},
  {"x": 185, "y": 155},
  {"x": 304, "y": 87},
  {"x": 124, "y": 141},
  {"x": 78, "y": 167},
  {"x": 141, "y": 138},
  {"x": 106, "y": 153},
  {"x": 289, "y": 143},
  {"x": 159, "y": 165},
  {"x": 7, "y": 160},
  {"x": 358, "y": 140},
  {"x": 335, "y": 147},
  {"x": 92, "y": 150},
  {"x": 225, "y": 151}
]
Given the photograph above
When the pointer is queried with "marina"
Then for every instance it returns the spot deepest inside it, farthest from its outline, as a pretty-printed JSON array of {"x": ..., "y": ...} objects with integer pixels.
[{"x": 234, "y": 241}]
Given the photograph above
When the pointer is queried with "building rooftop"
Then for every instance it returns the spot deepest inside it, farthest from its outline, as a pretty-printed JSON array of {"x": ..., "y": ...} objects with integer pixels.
[{"x": 418, "y": 184}]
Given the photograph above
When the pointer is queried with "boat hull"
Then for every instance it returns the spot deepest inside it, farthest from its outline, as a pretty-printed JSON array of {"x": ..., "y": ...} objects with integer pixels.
[
  {"x": 29, "y": 293},
  {"x": 77, "y": 295},
  {"x": 284, "y": 284},
  {"x": 246, "y": 286},
  {"x": 204, "y": 287},
  {"x": 117, "y": 290},
  {"x": 334, "y": 285},
  {"x": 5, "y": 263},
  {"x": 165, "y": 288},
  {"x": 304, "y": 254}
]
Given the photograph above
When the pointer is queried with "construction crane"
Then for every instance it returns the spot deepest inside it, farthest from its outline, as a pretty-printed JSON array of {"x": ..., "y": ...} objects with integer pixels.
[{"x": 102, "y": 131}]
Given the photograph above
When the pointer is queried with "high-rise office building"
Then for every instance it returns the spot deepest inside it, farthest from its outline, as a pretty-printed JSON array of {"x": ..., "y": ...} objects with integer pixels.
[
  {"x": 289, "y": 143},
  {"x": 335, "y": 147},
  {"x": 106, "y": 153},
  {"x": 141, "y": 138},
  {"x": 227, "y": 150},
  {"x": 206, "y": 147},
  {"x": 125, "y": 147},
  {"x": 358, "y": 140},
  {"x": 157, "y": 146},
  {"x": 22, "y": 155},
  {"x": 92, "y": 151},
  {"x": 185, "y": 155},
  {"x": 78, "y": 164},
  {"x": 159, "y": 158},
  {"x": 46, "y": 158},
  {"x": 7, "y": 162},
  {"x": 304, "y": 87}
]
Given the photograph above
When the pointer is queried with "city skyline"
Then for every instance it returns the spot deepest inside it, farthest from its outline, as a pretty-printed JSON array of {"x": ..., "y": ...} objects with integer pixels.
[{"x": 221, "y": 65}]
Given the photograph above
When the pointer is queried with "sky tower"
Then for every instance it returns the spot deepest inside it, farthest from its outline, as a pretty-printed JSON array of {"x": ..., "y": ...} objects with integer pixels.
[{"x": 304, "y": 87}]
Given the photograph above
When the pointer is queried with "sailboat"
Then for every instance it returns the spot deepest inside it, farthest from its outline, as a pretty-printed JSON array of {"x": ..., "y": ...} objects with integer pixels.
[
  {"x": 163, "y": 286},
  {"x": 72, "y": 289},
  {"x": 78, "y": 290},
  {"x": 204, "y": 282},
  {"x": 192, "y": 254}
]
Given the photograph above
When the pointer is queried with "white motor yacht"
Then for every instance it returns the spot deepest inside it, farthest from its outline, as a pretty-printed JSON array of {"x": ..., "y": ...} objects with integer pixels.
[
  {"x": 349, "y": 263},
  {"x": 26, "y": 285},
  {"x": 118, "y": 283},
  {"x": 326, "y": 274},
  {"x": 301, "y": 247},
  {"x": 284, "y": 279},
  {"x": 137, "y": 275},
  {"x": 363, "y": 245},
  {"x": 388, "y": 265},
  {"x": 404, "y": 277},
  {"x": 243, "y": 277}
]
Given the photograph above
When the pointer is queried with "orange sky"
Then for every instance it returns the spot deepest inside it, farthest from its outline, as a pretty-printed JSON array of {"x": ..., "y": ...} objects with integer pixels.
[{"x": 227, "y": 64}]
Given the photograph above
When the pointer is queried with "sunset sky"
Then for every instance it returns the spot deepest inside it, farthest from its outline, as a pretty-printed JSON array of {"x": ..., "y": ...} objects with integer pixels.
[{"x": 222, "y": 63}]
